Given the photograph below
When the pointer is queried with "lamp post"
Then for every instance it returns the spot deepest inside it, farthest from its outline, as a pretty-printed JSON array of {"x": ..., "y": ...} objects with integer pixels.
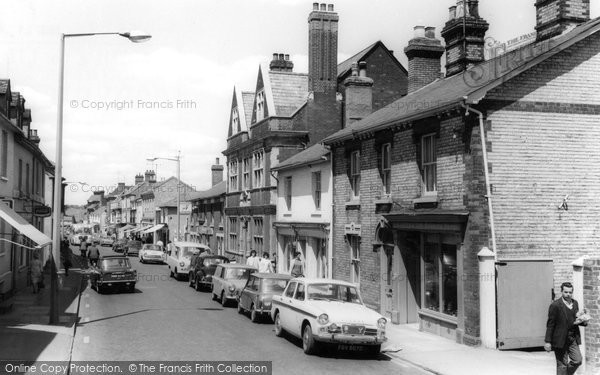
[
  {"x": 136, "y": 37},
  {"x": 178, "y": 160}
]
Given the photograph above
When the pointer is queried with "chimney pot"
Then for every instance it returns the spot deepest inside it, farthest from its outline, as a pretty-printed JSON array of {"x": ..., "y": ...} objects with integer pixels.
[
  {"x": 362, "y": 68},
  {"x": 275, "y": 56},
  {"x": 217, "y": 162},
  {"x": 286, "y": 57},
  {"x": 474, "y": 8},
  {"x": 281, "y": 56},
  {"x": 315, "y": 6},
  {"x": 452, "y": 12},
  {"x": 330, "y": 7},
  {"x": 419, "y": 32},
  {"x": 430, "y": 32},
  {"x": 460, "y": 9},
  {"x": 323, "y": 7},
  {"x": 355, "y": 69}
]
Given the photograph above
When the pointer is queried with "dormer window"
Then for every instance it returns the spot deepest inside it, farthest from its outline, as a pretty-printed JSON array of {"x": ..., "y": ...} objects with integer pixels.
[
  {"x": 235, "y": 120},
  {"x": 260, "y": 105}
]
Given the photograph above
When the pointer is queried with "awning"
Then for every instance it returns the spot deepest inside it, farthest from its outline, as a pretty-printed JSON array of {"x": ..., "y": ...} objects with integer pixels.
[
  {"x": 154, "y": 228},
  {"x": 140, "y": 229},
  {"x": 23, "y": 226}
]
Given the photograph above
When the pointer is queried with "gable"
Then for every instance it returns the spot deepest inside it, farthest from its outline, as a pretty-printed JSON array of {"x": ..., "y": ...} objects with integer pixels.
[{"x": 260, "y": 91}]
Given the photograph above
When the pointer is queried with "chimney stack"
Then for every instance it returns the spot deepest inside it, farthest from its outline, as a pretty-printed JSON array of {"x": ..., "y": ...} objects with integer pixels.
[
  {"x": 424, "y": 52},
  {"x": 139, "y": 178},
  {"x": 322, "y": 49},
  {"x": 217, "y": 173},
  {"x": 281, "y": 63},
  {"x": 150, "y": 176},
  {"x": 359, "y": 94},
  {"x": 464, "y": 34},
  {"x": 554, "y": 17}
]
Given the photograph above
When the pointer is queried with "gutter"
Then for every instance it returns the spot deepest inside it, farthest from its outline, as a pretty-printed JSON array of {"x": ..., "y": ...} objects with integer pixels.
[{"x": 487, "y": 175}]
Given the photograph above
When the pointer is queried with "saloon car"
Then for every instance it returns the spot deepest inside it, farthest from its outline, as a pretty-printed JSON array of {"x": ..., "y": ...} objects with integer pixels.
[
  {"x": 106, "y": 241},
  {"x": 258, "y": 293},
  {"x": 152, "y": 253},
  {"x": 119, "y": 245},
  {"x": 202, "y": 269},
  {"x": 112, "y": 271},
  {"x": 228, "y": 280},
  {"x": 327, "y": 311},
  {"x": 179, "y": 255},
  {"x": 133, "y": 247}
]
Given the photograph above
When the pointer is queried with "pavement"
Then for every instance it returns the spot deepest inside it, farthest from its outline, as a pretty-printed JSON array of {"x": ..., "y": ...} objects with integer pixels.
[{"x": 25, "y": 334}]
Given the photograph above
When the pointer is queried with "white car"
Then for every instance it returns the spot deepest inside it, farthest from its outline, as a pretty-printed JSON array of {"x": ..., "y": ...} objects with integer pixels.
[
  {"x": 151, "y": 253},
  {"x": 179, "y": 255},
  {"x": 327, "y": 311}
]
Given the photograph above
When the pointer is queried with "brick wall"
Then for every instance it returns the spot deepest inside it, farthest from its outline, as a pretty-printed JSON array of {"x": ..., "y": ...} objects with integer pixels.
[{"x": 591, "y": 297}]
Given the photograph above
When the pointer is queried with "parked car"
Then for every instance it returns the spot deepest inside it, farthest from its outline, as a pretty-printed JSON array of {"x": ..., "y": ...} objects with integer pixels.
[
  {"x": 327, "y": 311},
  {"x": 112, "y": 271},
  {"x": 119, "y": 245},
  {"x": 258, "y": 293},
  {"x": 106, "y": 241},
  {"x": 202, "y": 269},
  {"x": 179, "y": 255},
  {"x": 152, "y": 253},
  {"x": 133, "y": 247},
  {"x": 228, "y": 280}
]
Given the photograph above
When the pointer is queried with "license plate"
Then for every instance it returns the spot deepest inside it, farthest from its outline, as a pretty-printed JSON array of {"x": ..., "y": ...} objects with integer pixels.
[
  {"x": 351, "y": 348},
  {"x": 353, "y": 330}
]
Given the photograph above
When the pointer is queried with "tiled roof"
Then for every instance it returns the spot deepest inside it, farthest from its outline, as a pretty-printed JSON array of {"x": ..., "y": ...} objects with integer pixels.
[
  {"x": 315, "y": 153},
  {"x": 215, "y": 191},
  {"x": 290, "y": 91},
  {"x": 248, "y": 99},
  {"x": 469, "y": 87},
  {"x": 346, "y": 65}
]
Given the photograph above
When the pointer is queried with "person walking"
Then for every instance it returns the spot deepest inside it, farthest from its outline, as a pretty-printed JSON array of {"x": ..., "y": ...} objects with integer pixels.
[
  {"x": 36, "y": 272},
  {"x": 65, "y": 255},
  {"x": 562, "y": 331},
  {"x": 83, "y": 247},
  {"x": 93, "y": 254},
  {"x": 253, "y": 259},
  {"x": 297, "y": 268},
  {"x": 264, "y": 264}
]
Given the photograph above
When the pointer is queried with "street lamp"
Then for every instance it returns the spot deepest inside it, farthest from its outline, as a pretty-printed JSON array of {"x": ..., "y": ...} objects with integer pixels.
[
  {"x": 178, "y": 160},
  {"x": 136, "y": 37}
]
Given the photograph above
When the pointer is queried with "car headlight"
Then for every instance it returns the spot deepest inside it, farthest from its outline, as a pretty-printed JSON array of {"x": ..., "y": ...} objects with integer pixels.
[
  {"x": 231, "y": 288},
  {"x": 181, "y": 264},
  {"x": 381, "y": 323},
  {"x": 333, "y": 328},
  {"x": 323, "y": 319}
]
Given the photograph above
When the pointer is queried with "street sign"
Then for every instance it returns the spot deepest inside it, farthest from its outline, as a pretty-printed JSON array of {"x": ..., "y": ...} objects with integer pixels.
[{"x": 42, "y": 211}]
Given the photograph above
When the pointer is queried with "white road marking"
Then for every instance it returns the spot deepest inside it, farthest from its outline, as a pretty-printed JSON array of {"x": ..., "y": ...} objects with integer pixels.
[{"x": 86, "y": 339}]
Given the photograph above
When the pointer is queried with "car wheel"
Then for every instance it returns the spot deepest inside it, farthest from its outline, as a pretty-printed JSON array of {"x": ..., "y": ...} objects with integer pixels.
[
  {"x": 223, "y": 299},
  {"x": 253, "y": 314},
  {"x": 176, "y": 274},
  {"x": 308, "y": 341},
  {"x": 191, "y": 280},
  {"x": 99, "y": 289},
  {"x": 141, "y": 260},
  {"x": 171, "y": 272},
  {"x": 240, "y": 308},
  {"x": 278, "y": 327},
  {"x": 132, "y": 288}
]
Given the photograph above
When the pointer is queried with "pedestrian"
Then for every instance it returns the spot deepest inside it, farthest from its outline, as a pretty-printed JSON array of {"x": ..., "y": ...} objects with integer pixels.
[
  {"x": 65, "y": 255},
  {"x": 264, "y": 264},
  {"x": 93, "y": 254},
  {"x": 36, "y": 272},
  {"x": 83, "y": 247},
  {"x": 562, "y": 331},
  {"x": 253, "y": 259},
  {"x": 297, "y": 268}
]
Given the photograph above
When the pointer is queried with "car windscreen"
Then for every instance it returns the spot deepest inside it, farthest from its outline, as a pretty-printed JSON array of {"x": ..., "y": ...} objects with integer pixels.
[
  {"x": 333, "y": 292},
  {"x": 136, "y": 244},
  {"x": 274, "y": 285},
  {"x": 152, "y": 247},
  {"x": 188, "y": 251},
  {"x": 213, "y": 261},
  {"x": 238, "y": 273},
  {"x": 114, "y": 263}
]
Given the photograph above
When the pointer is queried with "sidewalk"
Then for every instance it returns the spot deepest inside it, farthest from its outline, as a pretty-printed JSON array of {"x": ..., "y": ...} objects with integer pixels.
[
  {"x": 443, "y": 356},
  {"x": 25, "y": 332}
]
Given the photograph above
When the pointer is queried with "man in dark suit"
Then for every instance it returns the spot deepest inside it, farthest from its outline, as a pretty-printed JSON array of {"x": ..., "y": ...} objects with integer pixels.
[{"x": 562, "y": 331}]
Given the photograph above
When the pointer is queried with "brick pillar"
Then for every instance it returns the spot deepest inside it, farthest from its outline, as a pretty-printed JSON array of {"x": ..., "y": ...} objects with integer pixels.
[{"x": 591, "y": 301}]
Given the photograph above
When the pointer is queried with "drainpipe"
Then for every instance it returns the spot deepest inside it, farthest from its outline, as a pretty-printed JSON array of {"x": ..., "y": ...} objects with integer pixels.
[{"x": 487, "y": 175}]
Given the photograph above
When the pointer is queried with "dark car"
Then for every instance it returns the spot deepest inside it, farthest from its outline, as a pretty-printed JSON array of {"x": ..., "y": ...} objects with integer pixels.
[
  {"x": 202, "y": 269},
  {"x": 259, "y": 291},
  {"x": 133, "y": 247},
  {"x": 113, "y": 271},
  {"x": 119, "y": 245}
]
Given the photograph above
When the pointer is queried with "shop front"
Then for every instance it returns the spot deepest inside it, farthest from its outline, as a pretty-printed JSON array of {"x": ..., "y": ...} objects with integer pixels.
[{"x": 311, "y": 240}]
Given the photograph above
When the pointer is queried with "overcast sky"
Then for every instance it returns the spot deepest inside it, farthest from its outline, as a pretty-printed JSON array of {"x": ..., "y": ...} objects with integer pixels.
[{"x": 198, "y": 52}]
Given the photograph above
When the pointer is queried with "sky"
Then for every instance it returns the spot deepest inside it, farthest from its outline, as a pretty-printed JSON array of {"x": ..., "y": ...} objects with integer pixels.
[{"x": 125, "y": 102}]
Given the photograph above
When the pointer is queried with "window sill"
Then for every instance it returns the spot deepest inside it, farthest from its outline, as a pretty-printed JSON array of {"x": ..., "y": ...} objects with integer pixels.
[
  {"x": 384, "y": 200},
  {"x": 353, "y": 203},
  {"x": 439, "y": 316},
  {"x": 2, "y": 178},
  {"x": 433, "y": 198},
  {"x": 315, "y": 215}
]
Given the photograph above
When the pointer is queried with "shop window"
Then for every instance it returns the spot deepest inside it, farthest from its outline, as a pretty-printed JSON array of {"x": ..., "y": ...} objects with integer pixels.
[
  {"x": 440, "y": 277},
  {"x": 322, "y": 267}
]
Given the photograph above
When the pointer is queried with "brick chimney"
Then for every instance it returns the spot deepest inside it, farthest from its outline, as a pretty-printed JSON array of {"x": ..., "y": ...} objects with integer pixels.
[
  {"x": 217, "y": 172},
  {"x": 424, "y": 52},
  {"x": 464, "y": 34},
  {"x": 359, "y": 94},
  {"x": 139, "y": 178},
  {"x": 322, "y": 49},
  {"x": 150, "y": 176},
  {"x": 554, "y": 17},
  {"x": 281, "y": 63}
]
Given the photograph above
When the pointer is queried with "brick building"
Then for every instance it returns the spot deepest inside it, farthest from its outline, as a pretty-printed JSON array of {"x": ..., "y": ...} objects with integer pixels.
[
  {"x": 411, "y": 186},
  {"x": 287, "y": 113}
]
